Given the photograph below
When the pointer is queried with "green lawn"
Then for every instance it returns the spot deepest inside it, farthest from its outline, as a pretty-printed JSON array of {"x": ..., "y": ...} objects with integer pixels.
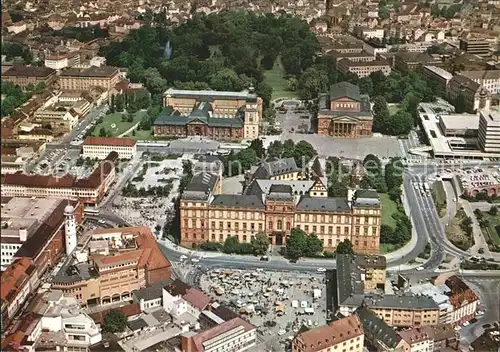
[
  {"x": 389, "y": 207},
  {"x": 113, "y": 123},
  {"x": 494, "y": 222},
  {"x": 393, "y": 108},
  {"x": 276, "y": 79},
  {"x": 142, "y": 135},
  {"x": 387, "y": 248}
]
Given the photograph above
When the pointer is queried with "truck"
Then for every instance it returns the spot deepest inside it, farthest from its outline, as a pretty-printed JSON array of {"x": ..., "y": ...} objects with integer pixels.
[{"x": 426, "y": 187}]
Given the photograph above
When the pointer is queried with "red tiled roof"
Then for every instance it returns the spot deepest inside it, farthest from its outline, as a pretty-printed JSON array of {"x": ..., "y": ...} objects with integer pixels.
[
  {"x": 195, "y": 297},
  {"x": 217, "y": 330},
  {"x": 14, "y": 278},
  {"x": 460, "y": 292},
  {"x": 329, "y": 335},
  {"x": 128, "y": 311},
  {"x": 109, "y": 141}
]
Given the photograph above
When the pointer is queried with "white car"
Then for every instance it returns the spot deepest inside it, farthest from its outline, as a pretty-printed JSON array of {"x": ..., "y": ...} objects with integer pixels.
[
  {"x": 420, "y": 268},
  {"x": 184, "y": 257},
  {"x": 479, "y": 312},
  {"x": 281, "y": 332},
  {"x": 321, "y": 270},
  {"x": 195, "y": 260}
]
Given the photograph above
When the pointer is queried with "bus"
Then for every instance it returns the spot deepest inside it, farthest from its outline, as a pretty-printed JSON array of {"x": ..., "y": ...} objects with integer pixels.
[{"x": 91, "y": 211}]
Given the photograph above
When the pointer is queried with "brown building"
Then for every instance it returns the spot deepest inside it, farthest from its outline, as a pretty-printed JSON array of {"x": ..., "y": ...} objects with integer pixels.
[
  {"x": 340, "y": 335},
  {"x": 475, "y": 96},
  {"x": 344, "y": 112},
  {"x": 23, "y": 75},
  {"x": 275, "y": 207},
  {"x": 85, "y": 79},
  {"x": 215, "y": 114},
  {"x": 90, "y": 190},
  {"x": 109, "y": 264},
  {"x": 475, "y": 46}
]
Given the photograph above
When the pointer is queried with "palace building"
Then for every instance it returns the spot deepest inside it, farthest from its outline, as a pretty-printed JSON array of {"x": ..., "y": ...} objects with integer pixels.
[
  {"x": 231, "y": 116},
  {"x": 344, "y": 112},
  {"x": 275, "y": 205}
]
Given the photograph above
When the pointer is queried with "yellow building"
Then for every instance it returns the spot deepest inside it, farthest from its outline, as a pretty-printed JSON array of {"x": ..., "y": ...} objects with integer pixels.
[
  {"x": 275, "y": 207},
  {"x": 85, "y": 79}
]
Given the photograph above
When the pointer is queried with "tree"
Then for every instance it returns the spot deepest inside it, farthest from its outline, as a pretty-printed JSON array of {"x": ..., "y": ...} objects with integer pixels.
[
  {"x": 119, "y": 103},
  {"x": 231, "y": 244},
  {"x": 386, "y": 234},
  {"x": 296, "y": 244},
  {"x": 303, "y": 153},
  {"x": 260, "y": 243},
  {"x": 344, "y": 247},
  {"x": 314, "y": 245},
  {"x": 103, "y": 132},
  {"x": 114, "y": 321},
  {"x": 401, "y": 123},
  {"x": 493, "y": 210},
  {"x": 112, "y": 104},
  {"x": 265, "y": 91},
  {"x": 381, "y": 115},
  {"x": 311, "y": 83},
  {"x": 258, "y": 147},
  {"x": 459, "y": 104},
  {"x": 275, "y": 149}
]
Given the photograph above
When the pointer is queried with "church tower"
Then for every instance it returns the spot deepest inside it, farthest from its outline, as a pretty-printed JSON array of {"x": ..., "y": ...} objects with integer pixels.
[
  {"x": 251, "y": 124},
  {"x": 70, "y": 228}
]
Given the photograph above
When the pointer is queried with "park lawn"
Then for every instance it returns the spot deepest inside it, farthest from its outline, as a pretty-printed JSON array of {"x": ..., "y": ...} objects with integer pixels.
[
  {"x": 116, "y": 120},
  {"x": 389, "y": 207},
  {"x": 393, "y": 108},
  {"x": 142, "y": 135},
  {"x": 492, "y": 231},
  {"x": 276, "y": 79},
  {"x": 387, "y": 248}
]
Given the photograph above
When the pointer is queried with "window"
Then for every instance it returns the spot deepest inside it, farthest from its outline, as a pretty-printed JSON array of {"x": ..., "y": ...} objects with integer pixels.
[
  {"x": 322, "y": 229},
  {"x": 346, "y": 230},
  {"x": 221, "y": 237},
  {"x": 279, "y": 224},
  {"x": 337, "y": 230},
  {"x": 213, "y": 225},
  {"x": 244, "y": 238},
  {"x": 330, "y": 242},
  {"x": 270, "y": 225},
  {"x": 229, "y": 225},
  {"x": 221, "y": 225},
  {"x": 244, "y": 226},
  {"x": 330, "y": 229},
  {"x": 365, "y": 231},
  {"x": 186, "y": 223},
  {"x": 288, "y": 225},
  {"x": 260, "y": 227},
  {"x": 306, "y": 228},
  {"x": 213, "y": 237}
]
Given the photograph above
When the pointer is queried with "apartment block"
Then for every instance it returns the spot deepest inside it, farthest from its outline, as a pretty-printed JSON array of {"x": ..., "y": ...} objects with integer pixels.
[
  {"x": 438, "y": 75},
  {"x": 100, "y": 147},
  {"x": 476, "y": 97},
  {"x": 475, "y": 46}
]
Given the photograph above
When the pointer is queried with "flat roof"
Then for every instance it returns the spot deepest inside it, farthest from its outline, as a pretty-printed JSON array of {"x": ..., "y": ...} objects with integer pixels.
[
  {"x": 440, "y": 144},
  {"x": 460, "y": 121},
  {"x": 206, "y": 93},
  {"x": 439, "y": 71}
]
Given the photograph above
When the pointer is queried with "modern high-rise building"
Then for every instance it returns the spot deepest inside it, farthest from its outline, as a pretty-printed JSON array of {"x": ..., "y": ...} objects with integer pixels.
[{"x": 489, "y": 131}]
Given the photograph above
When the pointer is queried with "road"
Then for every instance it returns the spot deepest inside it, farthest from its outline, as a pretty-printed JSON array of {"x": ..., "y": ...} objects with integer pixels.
[{"x": 489, "y": 290}]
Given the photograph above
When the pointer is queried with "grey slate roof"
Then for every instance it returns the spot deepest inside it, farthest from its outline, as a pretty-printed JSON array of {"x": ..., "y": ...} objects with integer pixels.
[
  {"x": 367, "y": 197},
  {"x": 344, "y": 90},
  {"x": 182, "y": 120},
  {"x": 350, "y": 288},
  {"x": 200, "y": 187},
  {"x": 377, "y": 328},
  {"x": 400, "y": 302},
  {"x": 151, "y": 292},
  {"x": 238, "y": 201},
  {"x": 275, "y": 168},
  {"x": 137, "y": 324},
  {"x": 307, "y": 203}
]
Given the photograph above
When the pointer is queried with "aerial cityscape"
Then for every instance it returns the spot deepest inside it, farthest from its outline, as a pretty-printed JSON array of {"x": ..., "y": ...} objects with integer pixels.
[{"x": 229, "y": 176}]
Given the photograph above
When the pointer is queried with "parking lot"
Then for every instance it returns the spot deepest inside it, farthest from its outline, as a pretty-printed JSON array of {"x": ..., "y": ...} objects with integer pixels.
[
  {"x": 294, "y": 120},
  {"x": 59, "y": 162},
  {"x": 277, "y": 303}
]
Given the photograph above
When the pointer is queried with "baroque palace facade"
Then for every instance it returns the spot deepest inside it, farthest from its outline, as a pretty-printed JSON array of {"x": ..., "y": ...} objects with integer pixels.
[
  {"x": 232, "y": 116},
  {"x": 344, "y": 112},
  {"x": 276, "y": 199}
]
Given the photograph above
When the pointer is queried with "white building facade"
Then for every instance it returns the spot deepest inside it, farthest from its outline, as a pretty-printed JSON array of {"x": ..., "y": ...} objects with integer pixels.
[
  {"x": 489, "y": 131},
  {"x": 100, "y": 147}
]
